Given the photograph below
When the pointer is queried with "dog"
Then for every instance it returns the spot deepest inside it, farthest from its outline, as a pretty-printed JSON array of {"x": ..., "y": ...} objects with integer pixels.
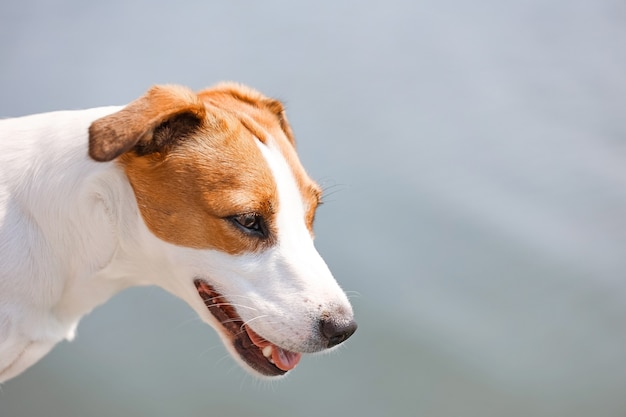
[{"x": 200, "y": 193}]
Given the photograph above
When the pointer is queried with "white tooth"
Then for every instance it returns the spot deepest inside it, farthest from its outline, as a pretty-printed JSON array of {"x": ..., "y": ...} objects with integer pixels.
[{"x": 267, "y": 351}]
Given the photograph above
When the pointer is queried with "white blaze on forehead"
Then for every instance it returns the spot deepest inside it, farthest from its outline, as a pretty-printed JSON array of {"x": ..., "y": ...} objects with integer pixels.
[
  {"x": 296, "y": 258},
  {"x": 290, "y": 221}
]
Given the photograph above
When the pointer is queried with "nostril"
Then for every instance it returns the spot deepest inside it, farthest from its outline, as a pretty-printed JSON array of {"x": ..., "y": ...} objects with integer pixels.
[{"x": 337, "y": 333}]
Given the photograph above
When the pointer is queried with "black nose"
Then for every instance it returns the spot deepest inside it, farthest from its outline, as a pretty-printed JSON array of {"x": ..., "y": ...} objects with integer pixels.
[{"x": 337, "y": 333}]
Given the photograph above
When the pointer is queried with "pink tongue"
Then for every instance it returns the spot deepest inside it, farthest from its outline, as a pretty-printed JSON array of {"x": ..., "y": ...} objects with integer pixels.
[{"x": 283, "y": 359}]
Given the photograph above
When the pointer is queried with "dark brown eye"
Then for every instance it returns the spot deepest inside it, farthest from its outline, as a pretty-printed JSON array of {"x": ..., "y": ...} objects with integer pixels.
[{"x": 251, "y": 224}]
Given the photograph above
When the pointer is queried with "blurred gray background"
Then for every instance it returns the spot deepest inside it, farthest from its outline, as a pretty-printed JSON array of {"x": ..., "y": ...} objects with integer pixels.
[{"x": 474, "y": 157}]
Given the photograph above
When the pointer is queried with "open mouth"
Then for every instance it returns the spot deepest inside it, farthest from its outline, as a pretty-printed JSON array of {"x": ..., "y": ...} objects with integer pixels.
[{"x": 260, "y": 354}]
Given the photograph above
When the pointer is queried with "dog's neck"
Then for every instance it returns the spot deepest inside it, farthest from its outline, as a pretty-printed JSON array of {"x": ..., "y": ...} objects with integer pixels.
[{"x": 84, "y": 213}]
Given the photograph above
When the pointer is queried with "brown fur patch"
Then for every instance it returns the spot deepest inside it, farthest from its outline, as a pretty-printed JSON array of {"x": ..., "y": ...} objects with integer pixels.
[
  {"x": 135, "y": 124},
  {"x": 187, "y": 188},
  {"x": 270, "y": 115}
]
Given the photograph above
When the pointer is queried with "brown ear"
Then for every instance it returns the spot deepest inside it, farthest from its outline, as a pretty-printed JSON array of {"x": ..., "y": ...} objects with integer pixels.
[
  {"x": 278, "y": 109},
  {"x": 148, "y": 124}
]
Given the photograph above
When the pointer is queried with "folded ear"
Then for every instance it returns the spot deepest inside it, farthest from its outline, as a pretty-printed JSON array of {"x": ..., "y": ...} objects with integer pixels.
[
  {"x": 149, "y": 124},
  {"x": 278, "y": 109}
]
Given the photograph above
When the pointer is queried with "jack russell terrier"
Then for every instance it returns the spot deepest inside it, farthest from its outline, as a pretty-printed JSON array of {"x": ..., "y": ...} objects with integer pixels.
[{"x": 200, "y": 193}]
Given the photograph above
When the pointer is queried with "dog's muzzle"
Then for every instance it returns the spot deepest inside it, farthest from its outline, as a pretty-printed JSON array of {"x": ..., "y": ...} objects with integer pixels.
[{"x": 260, "y": 354}]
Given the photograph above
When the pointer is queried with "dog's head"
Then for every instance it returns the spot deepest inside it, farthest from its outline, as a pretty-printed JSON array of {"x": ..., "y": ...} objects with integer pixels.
[{"x": 230, "y": 210}]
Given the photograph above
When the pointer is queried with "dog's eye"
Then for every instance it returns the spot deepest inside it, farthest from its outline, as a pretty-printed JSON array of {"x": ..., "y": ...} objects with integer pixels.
[{"x": 250, "y": 223}]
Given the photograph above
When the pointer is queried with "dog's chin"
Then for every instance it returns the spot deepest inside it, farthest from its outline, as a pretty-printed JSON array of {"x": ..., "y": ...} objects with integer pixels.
[{"x": 262, "y": 357}]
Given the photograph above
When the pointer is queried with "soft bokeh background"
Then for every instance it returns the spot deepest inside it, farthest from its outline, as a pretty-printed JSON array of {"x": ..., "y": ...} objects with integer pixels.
[{"x": 474, "y": 155}]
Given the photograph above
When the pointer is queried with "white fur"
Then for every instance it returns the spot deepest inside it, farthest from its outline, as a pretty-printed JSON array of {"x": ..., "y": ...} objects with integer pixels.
[{"x": 71, "y": 237}]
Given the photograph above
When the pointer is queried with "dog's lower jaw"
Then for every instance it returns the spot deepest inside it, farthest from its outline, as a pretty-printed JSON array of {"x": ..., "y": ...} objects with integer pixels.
[{"x": 260, "y": 355}]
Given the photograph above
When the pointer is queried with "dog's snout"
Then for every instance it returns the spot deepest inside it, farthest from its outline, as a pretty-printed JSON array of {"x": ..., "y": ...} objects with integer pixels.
[{"x": 337, "y": 332}]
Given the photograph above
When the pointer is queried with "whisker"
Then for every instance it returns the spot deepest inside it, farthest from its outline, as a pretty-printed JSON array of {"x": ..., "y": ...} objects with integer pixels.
[
  {"x": 223, "y": 358},
  {"x": 228, "y": 304},
  {"x": 206, "y": 351},
  {"x": 328, "y": 193},
  {"x": 330, "y": 187},
  {"x": 247, "y": 323},
  {"x": 188, "y": 321},
  {"x": 353, "y": 294},
  {"x": 236, "y": 295}
]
